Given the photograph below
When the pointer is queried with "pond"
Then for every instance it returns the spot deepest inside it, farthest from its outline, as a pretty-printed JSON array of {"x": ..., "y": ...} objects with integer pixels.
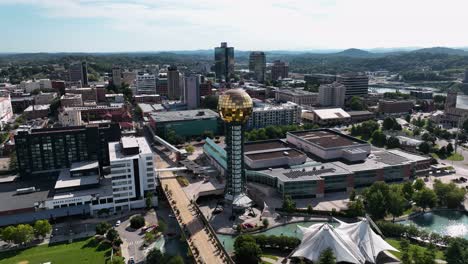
[
  {"x": 286, "y": 230},
  {"x": 449, "y": 223}
]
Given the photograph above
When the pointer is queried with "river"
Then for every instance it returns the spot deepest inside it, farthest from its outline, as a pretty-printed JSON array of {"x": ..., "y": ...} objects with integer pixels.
[{"x": 462, "y": 100}]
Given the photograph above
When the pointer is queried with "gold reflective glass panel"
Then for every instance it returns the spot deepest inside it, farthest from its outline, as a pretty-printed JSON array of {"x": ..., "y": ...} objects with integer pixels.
[{"x": 235, "y": 105}]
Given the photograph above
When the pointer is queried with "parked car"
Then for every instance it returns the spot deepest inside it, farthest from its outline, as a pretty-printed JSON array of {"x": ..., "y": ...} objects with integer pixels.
[{"x": 118, "y": 223}]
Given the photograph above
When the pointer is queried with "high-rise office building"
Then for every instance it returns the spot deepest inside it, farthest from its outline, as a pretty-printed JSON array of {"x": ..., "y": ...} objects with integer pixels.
[
  {"x": 146, "y": 84},
  {"x": 173, "y": 83},
  {"x": 192, "y": 91},
  {"x": 224, "y": 62},
  {"x": 41, "y": 151},
  {"x": 78, "y": 72},
  {"x": 117, "y": 76},
  {"x": 356, "y": 84},
  {"x": 161, "y": 86},
  {"x": 257, "y": 65},
  {"x": 235, "y": 107},
  {"x": 332, "y": 94},
  {"x": 451, "y": 100},
  {"x": 279, "y": 70}
]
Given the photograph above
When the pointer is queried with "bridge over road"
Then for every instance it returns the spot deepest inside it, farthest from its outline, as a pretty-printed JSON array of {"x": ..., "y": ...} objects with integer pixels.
[{"x": 201, "y": 238}]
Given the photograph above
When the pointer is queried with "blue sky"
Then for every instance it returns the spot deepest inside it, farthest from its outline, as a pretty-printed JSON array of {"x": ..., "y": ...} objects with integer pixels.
[{"x": 153, "y": 25}]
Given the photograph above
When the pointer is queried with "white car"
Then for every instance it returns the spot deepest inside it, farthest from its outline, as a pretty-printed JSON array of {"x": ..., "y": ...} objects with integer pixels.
[{"x": 117, "y": 223}]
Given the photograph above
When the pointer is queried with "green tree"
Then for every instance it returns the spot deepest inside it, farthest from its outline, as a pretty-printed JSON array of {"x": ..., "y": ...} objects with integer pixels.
[
  {"x": 376, "y": 204},
  {"x": 457, "y": 251},
  {"x": 327, "y": 257},
  {"x": 407, "y": 190},
  {"x": 137, "y": 221},
  {"x": 149, "y": 237},
  {"x": 24, "y": 234},
  {"x": 352, "y": 195},
  {"x": 429, "y": 255},
  {"x": 449, "y": 194},
  {"x": 155, "y": 256},
  {"x": 162, "y": 226},
  {"x": 419, "y": 184},
  {"x": 425, "y": 147},
  {"x": 378, "y": 138},
  {"x": 248, "y": 253},
  {"x": 396, "y": 204},
  {"x": 265, "y": 222},
  {"x": 190, "y": 149},
  {"x": 356, "y": 208},
  {"x": 8, "y": 234},
  {"x": 425, "y": 198},
  {"x": 405, "y": 254},
  {"x": 288, "y": 204},
  {"x": 42, "y": 228},
  {"x": 149, "y": 200},
  {"x": 408, "y": 118},
  {"x": 210, "y": 102},
  {"x": 112, "y": 235},
  {"x": 176, "y": 260},
  {"x": 393, "y": 142},
  {"x": 450, "y": 148},
  {"x": 102, "y": 228},
  {"x": 356, "y": 104},
  {"x": 54, "y": 106},
  {"x": 388, "y": 123}
]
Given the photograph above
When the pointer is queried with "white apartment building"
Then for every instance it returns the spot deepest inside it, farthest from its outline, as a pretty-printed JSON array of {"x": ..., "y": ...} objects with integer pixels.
[
  {"x": 146, "y": 84},
  {"x": 275, "y": 115},
  {"x": 332, "y": 94},
  {"x": 6, "y": 110},
  {"x": 132, "y": 172},
  {"x": 31, "y": 85}
]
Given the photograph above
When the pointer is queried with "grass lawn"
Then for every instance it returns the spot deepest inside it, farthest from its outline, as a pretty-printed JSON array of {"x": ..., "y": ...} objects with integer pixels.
[
  {"x": 455, "y": 157},
  {"x": 269, "y": 256},
  {"x": 82, "y": 251},
  {"x": 396, "y": 244}
]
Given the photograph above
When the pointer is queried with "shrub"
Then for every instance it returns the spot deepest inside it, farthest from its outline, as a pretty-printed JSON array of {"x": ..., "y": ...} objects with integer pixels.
[{"x": 137, "y": 221}]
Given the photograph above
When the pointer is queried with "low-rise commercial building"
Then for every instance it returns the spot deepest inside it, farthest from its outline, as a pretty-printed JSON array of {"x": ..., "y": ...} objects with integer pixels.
[
  {"x": 326, "y": 117},
  {"x": 88, "y": 94},
  {"x": 186, "y": 123},
  {"x": 44, "y": 98},
  {"x": 37, "y": 111},
  {"x": 70, "y": 117},
  {"x": 339, "y": 163},
  {"x": 297, "y": 96},
  {"x": 395, "y": 107},
  {"x": 71, "y": 100}
]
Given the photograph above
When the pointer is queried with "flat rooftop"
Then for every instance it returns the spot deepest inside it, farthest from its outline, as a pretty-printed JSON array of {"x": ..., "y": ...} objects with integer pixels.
[
  {"x": 104, "y": 190},
  {"x": 115, "y": 148},
  {"x": 275, "y": 154},
  {"x": 185, "y": 115},
  {"x": 308, "y": 173},
  {"x": 10, "y": 200},
  {"x": 331, "y": 113},
  {"x": 327, "y": 138},
  {"x": 65, "y": 180},
  {"x": 264, "y": 145}
]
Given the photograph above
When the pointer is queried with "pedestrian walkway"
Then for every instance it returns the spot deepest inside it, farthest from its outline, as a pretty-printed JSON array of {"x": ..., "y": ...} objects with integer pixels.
[{"x": 201, "y": 240}]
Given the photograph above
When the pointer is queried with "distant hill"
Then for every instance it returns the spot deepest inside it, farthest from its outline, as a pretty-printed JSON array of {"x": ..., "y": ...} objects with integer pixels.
[
  {"x": 355, "y": 53},
  {"x": 442, "y": 50}
]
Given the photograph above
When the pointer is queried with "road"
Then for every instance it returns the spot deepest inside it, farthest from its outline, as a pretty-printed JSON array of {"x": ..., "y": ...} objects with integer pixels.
[{"x": 198, "y": 237}]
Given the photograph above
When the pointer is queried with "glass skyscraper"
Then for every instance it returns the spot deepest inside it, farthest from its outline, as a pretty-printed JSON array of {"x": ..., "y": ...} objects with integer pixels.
[{"x": 224, "y": 62}]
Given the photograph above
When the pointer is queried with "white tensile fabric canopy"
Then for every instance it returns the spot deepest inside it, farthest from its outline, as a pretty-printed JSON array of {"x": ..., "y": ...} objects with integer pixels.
[
  {"x": 369, "y": 243},
  {"x": 267, "y": 211},
  {"x": 322, "y": 236},
  {"x": 353, "y": 243}
]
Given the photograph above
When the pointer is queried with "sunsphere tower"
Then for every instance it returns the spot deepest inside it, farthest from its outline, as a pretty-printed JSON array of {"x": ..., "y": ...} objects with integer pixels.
[{"x": 235, "y": 107}]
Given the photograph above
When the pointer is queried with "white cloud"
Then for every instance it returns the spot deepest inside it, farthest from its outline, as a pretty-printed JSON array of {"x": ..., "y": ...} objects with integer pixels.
[{"x": 271, "y": 24}]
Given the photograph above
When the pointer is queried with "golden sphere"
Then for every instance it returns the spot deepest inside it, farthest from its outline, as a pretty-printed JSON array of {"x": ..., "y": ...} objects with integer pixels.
[{"x": 235, "y": 105}]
